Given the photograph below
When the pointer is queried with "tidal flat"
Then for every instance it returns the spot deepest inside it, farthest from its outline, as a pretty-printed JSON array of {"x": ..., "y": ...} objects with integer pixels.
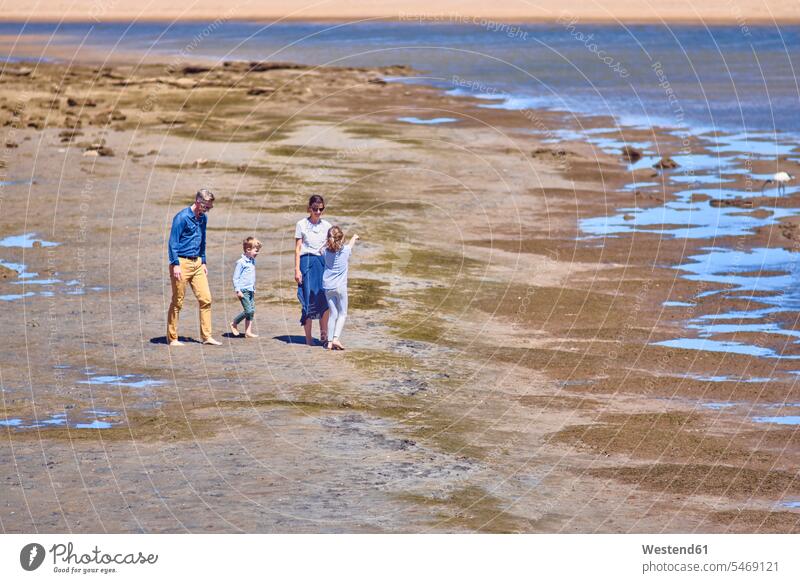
[{"x": 507, "y": 370}]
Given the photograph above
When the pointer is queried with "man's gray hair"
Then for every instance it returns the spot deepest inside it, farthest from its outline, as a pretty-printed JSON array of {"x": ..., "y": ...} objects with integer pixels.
[{"x": 204, "y": 194}]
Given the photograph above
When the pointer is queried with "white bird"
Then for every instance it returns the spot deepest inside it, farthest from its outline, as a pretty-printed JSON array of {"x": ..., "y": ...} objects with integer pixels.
[{"x": 781, "y": 179}]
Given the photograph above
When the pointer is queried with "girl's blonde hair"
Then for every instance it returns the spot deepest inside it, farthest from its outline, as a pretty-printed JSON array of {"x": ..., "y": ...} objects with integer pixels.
[{"x": 335, "y": 239}]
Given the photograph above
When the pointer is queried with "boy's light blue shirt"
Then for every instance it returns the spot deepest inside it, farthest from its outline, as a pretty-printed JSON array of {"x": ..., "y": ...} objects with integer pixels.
[{"x": 244, "y": 274}]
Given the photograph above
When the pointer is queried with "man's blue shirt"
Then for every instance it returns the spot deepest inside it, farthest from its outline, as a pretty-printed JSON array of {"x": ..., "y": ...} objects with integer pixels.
[{"x": 187, "y": 237}]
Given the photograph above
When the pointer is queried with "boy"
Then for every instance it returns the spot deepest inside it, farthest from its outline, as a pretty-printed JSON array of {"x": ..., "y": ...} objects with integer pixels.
[{"x": 244, "y": 284}]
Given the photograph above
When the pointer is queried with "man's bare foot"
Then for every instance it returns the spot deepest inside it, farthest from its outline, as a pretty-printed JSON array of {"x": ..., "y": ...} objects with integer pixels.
[
  {"x": 329, "y": 345},
  {"x": 336, "y": 345},
  {"x": 250, "y": 335},
  {"x": 212, "y": 342},
  {"x": 309, "y": 341},
  {"x": 176, "y": 343},
  {"x": 234, "y": 329}
]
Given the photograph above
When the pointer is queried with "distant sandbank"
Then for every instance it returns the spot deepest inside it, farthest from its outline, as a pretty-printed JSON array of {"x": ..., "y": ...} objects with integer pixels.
[{"x": 736, "y": 12}]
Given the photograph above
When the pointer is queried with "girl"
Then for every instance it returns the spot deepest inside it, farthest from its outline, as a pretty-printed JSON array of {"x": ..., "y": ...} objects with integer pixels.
[{"x": 334, "y": 281}]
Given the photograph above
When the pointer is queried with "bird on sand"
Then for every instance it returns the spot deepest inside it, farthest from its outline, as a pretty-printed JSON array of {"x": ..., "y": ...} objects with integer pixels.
[{"x": 781, "y": 179}]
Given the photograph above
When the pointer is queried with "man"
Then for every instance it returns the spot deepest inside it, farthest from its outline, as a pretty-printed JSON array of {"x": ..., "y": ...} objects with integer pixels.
[{"x": 187, "y": 264}]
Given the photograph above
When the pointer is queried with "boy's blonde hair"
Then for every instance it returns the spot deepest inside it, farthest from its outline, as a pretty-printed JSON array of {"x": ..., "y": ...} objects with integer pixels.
[
  {"x": 335, "y": 239},
  {"x": 251, "y": 243}
]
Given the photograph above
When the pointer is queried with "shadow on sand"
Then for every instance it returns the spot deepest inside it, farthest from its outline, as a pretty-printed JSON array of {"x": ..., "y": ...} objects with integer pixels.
[{"x": 293, "y": 339}]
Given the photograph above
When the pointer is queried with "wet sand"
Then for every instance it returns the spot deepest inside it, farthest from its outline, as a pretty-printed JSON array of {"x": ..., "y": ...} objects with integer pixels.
[{"x": 502, "y": 372}]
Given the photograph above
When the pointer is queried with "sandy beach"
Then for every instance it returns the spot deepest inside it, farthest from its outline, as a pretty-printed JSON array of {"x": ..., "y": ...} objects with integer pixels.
[
  {"x": 502, "y": 371},
  {"x": 740, "y": 12}
]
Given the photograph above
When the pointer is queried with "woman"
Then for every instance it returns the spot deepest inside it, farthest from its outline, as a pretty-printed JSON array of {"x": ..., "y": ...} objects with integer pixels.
[{"x": 310, "y": 236}]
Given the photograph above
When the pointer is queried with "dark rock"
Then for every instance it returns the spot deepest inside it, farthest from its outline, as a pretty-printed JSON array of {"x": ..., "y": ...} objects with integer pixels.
[
  {"x": 72, "y": 102},
  {"x": 10, "y": 144},
  {"x": 553, "y": 153},
  {"x": 260, "y": 91},
  {"x": 97, "y": 149},
  {"x": 171, "y": 120},
  {"x": 631, "y": 154},
  {"x": 6, "y": 273},
  {"x": 69, "y": 135},
  {"x": 108, "y": 116},
  {"x": 406, "y": 443},
  {"x": 20, "y": 72},
  {"x": 108, "y": 74},
  {"x": 666, "y": 163},
  {"x": 195, "y": 70},
  {"x": 735, "y": 202},
  {"x": 644, "y": 173},
  {"x": 261, "y": 66},
  {"x": 376, "y": 81}
]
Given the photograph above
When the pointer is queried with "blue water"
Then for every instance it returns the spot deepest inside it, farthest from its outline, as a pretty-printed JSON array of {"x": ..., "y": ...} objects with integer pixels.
[
  {"x": 431, "y": 121},
  {"x": 787, "y": 420},
  {"x": 718, "y": 406},
  {"x": 26, "y": 278},
  {"x": 14, "y": 182},
  {"x": 684, "y": 220},
  {"x": 135, "y": 381},
  {"x": 26, "y": 241},
  {"x": 96, "y": 424},
  {"x": 20, "y": 268},
  {"x": 61, "y": 420},
  {"x": 720, "y": 77},
  {"x": 14, "y": 297},
  {"x": 727, "y": 379},
  {"x": 724, "y": 347}
]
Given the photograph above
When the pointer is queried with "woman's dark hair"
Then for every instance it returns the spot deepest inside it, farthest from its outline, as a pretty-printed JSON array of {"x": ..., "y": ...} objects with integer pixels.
[{"x": 316, "y": 199}]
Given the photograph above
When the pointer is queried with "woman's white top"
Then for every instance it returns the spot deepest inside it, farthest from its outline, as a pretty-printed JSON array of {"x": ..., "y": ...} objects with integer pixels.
[{"x": 313, "y": 236}]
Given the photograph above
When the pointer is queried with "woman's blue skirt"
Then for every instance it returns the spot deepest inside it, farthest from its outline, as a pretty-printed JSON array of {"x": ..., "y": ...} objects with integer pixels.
[{"x": 310, "y": 292}]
